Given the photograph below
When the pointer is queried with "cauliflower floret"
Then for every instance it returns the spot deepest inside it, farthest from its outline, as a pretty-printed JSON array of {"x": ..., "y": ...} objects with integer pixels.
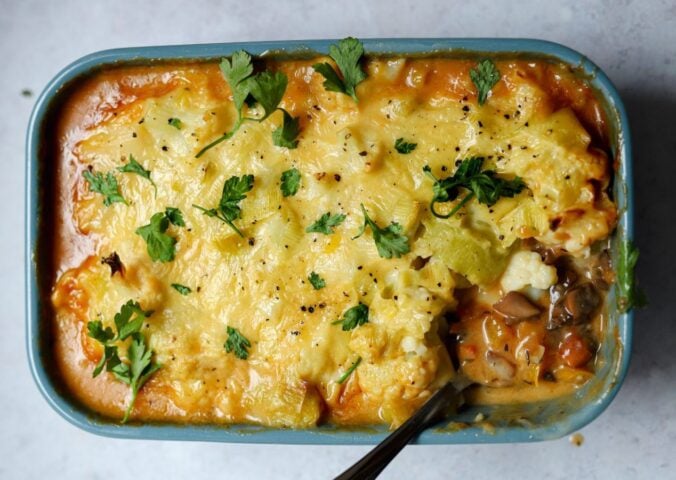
[{"x": 527, "y": 268}]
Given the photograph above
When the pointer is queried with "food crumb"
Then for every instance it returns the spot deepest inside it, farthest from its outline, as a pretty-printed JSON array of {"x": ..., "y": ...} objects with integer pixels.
[
  {"x": 27, "y": 92},
  {"x": 577, "y": 439}
]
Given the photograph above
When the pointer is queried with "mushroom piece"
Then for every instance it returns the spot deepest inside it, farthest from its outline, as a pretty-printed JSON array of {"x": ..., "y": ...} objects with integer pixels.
[
  {"x": 502, "y": 369},
  {"x": 581, "y": 302},
  {"x": 516, "y": 307}
]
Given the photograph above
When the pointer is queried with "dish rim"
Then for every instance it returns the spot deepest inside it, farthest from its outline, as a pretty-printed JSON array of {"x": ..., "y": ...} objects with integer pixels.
[{"x": 328, "y": 435}]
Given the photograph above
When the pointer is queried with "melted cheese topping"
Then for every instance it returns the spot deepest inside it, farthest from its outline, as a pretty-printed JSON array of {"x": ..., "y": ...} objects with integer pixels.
[{"x": 258, "y": 284}]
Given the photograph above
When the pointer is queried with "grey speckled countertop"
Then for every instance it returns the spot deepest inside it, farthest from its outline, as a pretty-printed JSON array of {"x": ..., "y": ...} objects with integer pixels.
[{"x": 633, "y": 41}]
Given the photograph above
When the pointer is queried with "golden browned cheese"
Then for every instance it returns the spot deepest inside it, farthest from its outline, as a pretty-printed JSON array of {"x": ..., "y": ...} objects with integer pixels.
[{"x": 538, "y": 123}]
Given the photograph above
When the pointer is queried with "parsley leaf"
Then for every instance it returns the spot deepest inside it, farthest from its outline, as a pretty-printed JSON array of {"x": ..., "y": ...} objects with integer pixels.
[
  {"x": 484, "y": 185},
  {"x": 182, "y": 289},
  {"x": 97, "y": 332},
  {"x": 134, "y": 167},
  {"x": 484, "y": 77},
  {"x": 124, "y": 323},
  {"x": 176, "y": 123},
  {"x": 354, "y": 317},
  {"x": 237, "y": 343},
  {"x": 285, "y": 136},
  {"x": 349, "y": 371},
  {"x": 630, "y": 295},
  {"x": 332, "y": 81},
  {"x": 235, "y": 72},
  {"x": 139, "y": 366},
  {"x": 316, "y": 281},
  {"x": 346, "y": 53},
  {"x": 106, "y": 186},
  {"x": 268, "y": 89},
  {"x": 290, "y": 182},
  {"x": 228, "y": 210},
  {"x": 265, "y": 88},
  {"x": 325, "y": 223},
  {"x": 175, "y": 216},
  {"x": 161, "y": 246},
  {"x": 139, "y": 370},
  {"x": 390, "y": 241},
  {"x": 404, "y": 147}
]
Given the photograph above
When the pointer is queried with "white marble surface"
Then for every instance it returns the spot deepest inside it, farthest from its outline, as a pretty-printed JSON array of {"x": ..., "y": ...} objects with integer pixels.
[{"x": 634, "y": 41}]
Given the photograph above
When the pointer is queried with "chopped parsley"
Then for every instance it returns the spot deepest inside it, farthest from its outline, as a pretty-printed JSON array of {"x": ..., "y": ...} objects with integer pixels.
[
  {"x": 354, "y": 317},
  {"x": 237, "y": 343},
  {"x": 161, "y": 246},
  {"x": 134, "y": 167},
  {"x": 484, "y": 76},
  {"x": 182, "y": 289},
  {"x": 138, "y": 367},
  {"x": 265, "y": 89},
  {"x": 286, "y": 135},
  {"x": 347, "y": 54},
  {"x": 325, "y": 223},
  {"x": 485, "y": 185},
  {"x": 403, "y": 146},
  {"x": 105, "y": 185},
  {"x": 290, "y": 182},
  {"x": 349, "y": 371},
  {"x": 630, "y": 295},
  {"x": 316, "y": 281},
  {"x": 176, "y": 123},
  {"x": 228, "y": 210},
  {"x": 390, "y": 241}
]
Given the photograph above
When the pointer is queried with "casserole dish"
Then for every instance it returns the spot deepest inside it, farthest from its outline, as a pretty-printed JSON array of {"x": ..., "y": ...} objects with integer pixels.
[{"x": 536, "y": 421}]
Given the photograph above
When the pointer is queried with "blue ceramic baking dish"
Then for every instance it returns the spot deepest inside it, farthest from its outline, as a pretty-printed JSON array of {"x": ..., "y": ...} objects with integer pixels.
[{"x": 529, "y": 422}]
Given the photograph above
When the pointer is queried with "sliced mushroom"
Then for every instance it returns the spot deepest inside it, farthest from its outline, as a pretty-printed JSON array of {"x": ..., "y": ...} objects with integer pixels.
[
  {"x": 516, "y": 307},
  {"x": 502, "y": 369},
  {"x": 566, "y": 272},
  {"x": 581, "y": 302}
]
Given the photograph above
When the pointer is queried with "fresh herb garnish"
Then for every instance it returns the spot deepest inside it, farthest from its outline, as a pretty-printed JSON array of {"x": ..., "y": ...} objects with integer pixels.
[
  {"x": 484, "y": 76},
  {"x": 176, "y": 123},
  {"x": 265, "y": 88},
  {"x": 346, "y": 53},
  {"x": 484, "y": 185},
  {"x": 390, "y": 241},
  {"x": 175, "y": 216},
  {"x": 106, "y": 186},
  {"x": 139, "y": 365},
  {"x": 403, "y": 146},
  {"x": 349, "y": 371},
  {"x": 160, "y": 245},
  {"x": 228, "y": 210},
  {"x": 290, "y": 182},
  {"x": 237, "y": 343},
  {"x": 286, "y": 135},
  {"x": 630, "y": 295},
  {"x": 182, "y": 289},
  {"x": 316, "y": 281},
  {"x": 134, "y": 167},
  {"x": 354, "y": 317},
  {"x": 325, "y": 223}
]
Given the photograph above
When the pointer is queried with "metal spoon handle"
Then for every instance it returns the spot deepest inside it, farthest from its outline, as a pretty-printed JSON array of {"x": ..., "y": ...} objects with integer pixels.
[{"x": 374, "y": 462}]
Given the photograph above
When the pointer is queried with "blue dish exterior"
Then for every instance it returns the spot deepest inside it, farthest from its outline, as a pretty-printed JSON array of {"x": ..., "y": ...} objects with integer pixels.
[{"x": 547, "y": 420}]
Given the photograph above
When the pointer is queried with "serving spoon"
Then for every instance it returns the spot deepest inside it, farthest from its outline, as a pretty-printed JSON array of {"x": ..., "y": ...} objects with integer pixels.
[{"x": 374, "y": 462}]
